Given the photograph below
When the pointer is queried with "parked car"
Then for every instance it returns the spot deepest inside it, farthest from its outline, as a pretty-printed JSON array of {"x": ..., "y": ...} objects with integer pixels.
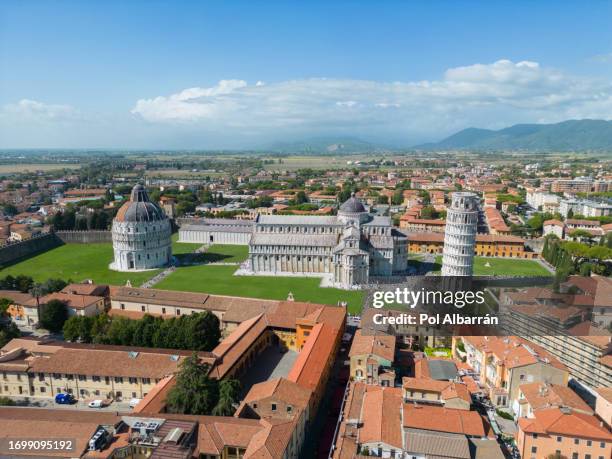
[
  {"x": 134, "y": 402},
  {"x": 64, "y": 399},
  {"x": 96, "y": 404}
]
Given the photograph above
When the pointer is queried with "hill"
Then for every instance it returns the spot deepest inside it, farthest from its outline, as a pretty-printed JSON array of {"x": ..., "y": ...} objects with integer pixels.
[{"x": 572, "y": 135}]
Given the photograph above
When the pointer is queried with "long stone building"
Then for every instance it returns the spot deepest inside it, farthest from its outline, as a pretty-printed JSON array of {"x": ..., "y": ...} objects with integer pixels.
[{"x": 349, "y": 249}]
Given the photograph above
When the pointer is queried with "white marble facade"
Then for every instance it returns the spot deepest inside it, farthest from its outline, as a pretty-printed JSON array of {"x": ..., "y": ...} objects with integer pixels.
[{"x": 141, "y": 234}]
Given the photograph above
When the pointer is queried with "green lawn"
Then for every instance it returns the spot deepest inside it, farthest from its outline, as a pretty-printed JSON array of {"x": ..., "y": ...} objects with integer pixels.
[
  {"x": 220, "y": 280},
  {"x": 226, "y": 253},
  {"x": 504, "y": 267},
  {"x": 76, "y": 262},
  {"x": 179, "y": 248}
]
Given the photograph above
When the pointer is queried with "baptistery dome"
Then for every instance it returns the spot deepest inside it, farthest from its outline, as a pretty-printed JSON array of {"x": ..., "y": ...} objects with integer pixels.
[{"x": 141, "y": 234}]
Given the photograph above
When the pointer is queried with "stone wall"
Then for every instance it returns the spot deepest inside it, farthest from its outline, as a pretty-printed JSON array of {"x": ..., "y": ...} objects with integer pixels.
[
  {"x": 84, "y": 237},
  {"x": 11, "y": 253}
]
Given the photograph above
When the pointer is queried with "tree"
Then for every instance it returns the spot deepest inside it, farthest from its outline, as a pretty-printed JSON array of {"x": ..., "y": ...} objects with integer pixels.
[
  {"x": 428, "y": 212},
  {"x": 8, "y": 331},
  {"x": 203, "y": 332},
  {"x": 71, "y": 329},
  {"x": 300, "y": 197},
  {"x": 194, "y": 392},
  {"x": 382, "y": 199},
  {"x": 398, "y": 197},
  {"x": 4, "y": 304},
  {"x": 54, "y": 315},
  {"x": 229, "y": 390}
]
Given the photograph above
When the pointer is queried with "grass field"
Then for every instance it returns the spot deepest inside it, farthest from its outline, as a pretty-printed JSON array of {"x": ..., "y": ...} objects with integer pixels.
[
  {"x": 180, "y": 248},
  {"x": 226, "y": 253},
  {"x": 76, "y": 262},
  {"x": 505, "y": 267},
  {"x": 220, "y": 280},
  {"x": 21, "y": 168}
]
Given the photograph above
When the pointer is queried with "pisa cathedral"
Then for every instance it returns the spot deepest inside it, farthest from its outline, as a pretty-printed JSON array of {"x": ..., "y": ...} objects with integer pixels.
[{"x": 350, "y": 249}]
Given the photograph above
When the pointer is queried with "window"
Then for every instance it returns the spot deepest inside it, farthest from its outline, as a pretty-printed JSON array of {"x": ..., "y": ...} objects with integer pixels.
[
  {"x": 602, "y": 444},
  {"x": 254, "y": 406},
  {"x": 119, "y": 394},
  {"x": 57, "y": 376},
  {"x": 82, "y": 378},
  {"x": 69, "y": 377},
  {"x": 289, "y": 408},
  {"x": 119, "y": 379},
  {"x": 576, "y": 441},
  {"x": 559, "y": 439},
  {"x": 574, "y": 455},
  {"x": 142, "y": 308},
  {"x": 274, "y": 407},
  {"x": 95, "y": 378},
  {"x": 535, "y": 435},
  {"x": 146, "y": 380},
  {"x": 587, "y": 456},
  {"x": 122, "y": 306},
  {"x": 589, "y": 443},
  {"x": 163, "y": 310},
  {"x": 41, "y": 376},
  {"x": 132, "y": 380},
  {"x": 43, "y": 390},
  {"x": 534, "y": 449},
  {"x": 178, "y": 312}
]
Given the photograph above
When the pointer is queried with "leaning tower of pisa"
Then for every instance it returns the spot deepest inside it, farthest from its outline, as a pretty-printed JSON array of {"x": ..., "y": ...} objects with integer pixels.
[{"x": 460, "y": 235}]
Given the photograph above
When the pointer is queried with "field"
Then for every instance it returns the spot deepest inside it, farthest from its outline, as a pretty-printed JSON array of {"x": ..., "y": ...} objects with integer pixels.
[
  {"x": 76, "y": 262},
  {"x": 180, "y": 248},
  {"x": 21, "y": 168},
  {"x": 505, "y": 267},
  {"x": 226, "y": 253},
  {"x": 220, "y": 280}
]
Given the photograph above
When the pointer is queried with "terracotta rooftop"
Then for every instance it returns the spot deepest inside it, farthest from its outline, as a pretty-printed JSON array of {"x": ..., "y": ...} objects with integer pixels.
[
  {"x": 381, "y": 416},
  {"x": 382, "y": 346},
  {"x": 564, "y": 422},
  {"x": 543, "y": 396},
  {"x": 313, "y": 359},
  {"x": 442, "y": 419}
]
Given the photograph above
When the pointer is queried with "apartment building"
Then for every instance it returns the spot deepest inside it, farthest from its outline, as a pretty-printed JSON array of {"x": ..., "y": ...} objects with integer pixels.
[
  {"x": 562, "y": 324},
  {"x": 504, "y": 363},
  {"x": 487, "y": 245},
  {"x": 378, "y": 421},
  {"x": 449, "y": 394},
  {"x": 584, "y": 207},
  {"x": 371, "y": 358},
  {"x": 542, "y": 395},
  {"x": 422, "y": 225},
  {"x": 111, "y": 435},
  {"x": 39, "y": 368},
  {"x": 576, "y": 185},
  {"x": 563, "y": 432}
]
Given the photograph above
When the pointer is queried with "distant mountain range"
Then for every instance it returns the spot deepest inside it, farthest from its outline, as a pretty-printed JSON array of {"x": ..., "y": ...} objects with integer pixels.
[{"x": 572, "y": 135}]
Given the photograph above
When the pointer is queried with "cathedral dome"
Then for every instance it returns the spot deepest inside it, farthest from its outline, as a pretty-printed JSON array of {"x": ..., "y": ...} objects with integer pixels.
[
  {"x": 139, "y": 208},
  {"x": 352, "y": 205}
]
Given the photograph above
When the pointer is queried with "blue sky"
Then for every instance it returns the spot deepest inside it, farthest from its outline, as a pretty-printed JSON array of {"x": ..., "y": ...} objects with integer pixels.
[{"x": 230, "y": 74}]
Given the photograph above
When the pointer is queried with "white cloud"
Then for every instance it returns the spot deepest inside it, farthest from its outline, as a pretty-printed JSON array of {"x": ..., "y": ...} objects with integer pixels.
[
  {"x": 32, "y": 110},
  {"x": 483, "y": 95}
]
